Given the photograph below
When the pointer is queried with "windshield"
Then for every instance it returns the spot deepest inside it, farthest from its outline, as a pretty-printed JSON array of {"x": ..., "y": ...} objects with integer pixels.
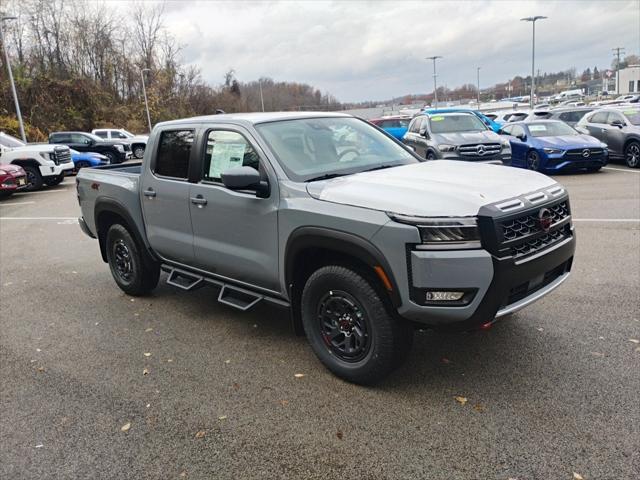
[
  {"x": 312, "y": 148},
  {"x": 551, "y": 129},
  {"x": 9, "y": 141},
  {"x": 456, "y": 123},
  {"x": 633, "y": 116},
  {"x": 127, "y": 134},
  {"x": 94, "y": 137}
]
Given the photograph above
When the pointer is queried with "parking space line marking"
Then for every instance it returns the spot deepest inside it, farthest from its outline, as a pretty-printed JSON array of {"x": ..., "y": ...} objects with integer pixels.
[
  {"x": 15, "y": 203},
  {"x": 39, "y": 218},
  {"x": 621, "y": 169},
  {"x": 619, "y": 220}
]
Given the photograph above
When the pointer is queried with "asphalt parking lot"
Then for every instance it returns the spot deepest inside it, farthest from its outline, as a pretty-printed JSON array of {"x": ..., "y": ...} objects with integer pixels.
[{"x": 210, "y": 392}]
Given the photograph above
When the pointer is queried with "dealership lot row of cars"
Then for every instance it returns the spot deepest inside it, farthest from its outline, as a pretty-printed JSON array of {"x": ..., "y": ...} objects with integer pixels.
[
  {"x": 550, "y": 141},
  {"x": 36, "y": 165}
]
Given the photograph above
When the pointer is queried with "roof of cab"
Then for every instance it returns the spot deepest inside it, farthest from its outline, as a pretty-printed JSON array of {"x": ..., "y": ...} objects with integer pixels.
[{"x": 255, "y": 117}]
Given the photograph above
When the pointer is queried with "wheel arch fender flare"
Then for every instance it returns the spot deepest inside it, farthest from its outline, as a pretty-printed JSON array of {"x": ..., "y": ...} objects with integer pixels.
[
  {"x": 343, "y": 243},
  {"x": 111, "y": 206}
]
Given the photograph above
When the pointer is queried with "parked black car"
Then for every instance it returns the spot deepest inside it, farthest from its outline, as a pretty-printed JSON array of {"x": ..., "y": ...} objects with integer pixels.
[
  {"x": 569, "y": 115},
  {"x": 456, "y": 136},
  {"x": 619, "y": 128},
  {"x": 117, "y": 152}
]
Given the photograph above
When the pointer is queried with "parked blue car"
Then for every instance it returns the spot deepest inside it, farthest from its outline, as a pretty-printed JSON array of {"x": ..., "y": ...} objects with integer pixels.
[
  {"x": 88, "y": 159},
  {"x": 486, "y": 120},
  {"x": 393, "y": 125},
  {"x": 552, "y": 146}
]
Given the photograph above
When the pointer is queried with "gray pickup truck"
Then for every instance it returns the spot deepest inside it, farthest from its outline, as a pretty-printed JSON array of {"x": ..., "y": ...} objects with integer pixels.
[{"x": 332, "y": 218}]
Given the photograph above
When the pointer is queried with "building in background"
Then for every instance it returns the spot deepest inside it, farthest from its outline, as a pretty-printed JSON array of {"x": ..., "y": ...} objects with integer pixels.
[{"x": 629, "y": 80}]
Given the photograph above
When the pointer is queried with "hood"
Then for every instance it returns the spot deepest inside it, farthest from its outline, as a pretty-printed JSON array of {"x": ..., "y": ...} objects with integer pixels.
[
  {"x": 464, "y": 138},
  {"x": 432, "y": 189},
  {"x": 12, "y": 169},
  {"x": 37, "y": 147},
  {"x": 571, "y": 141},
  {"x": 138, "y": 138}
]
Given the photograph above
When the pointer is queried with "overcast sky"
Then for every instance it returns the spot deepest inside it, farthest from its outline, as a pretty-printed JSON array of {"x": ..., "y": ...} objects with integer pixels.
[{"x": 367, "y": 50}]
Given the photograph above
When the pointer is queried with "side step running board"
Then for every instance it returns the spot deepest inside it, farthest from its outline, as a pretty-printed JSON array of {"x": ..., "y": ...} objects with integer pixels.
[
  {"x": 184, "y": 280},
  {"x": 238, "y": 297}
]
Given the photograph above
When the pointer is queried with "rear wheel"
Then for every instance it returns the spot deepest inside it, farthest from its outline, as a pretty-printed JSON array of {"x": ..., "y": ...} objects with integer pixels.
[
  {"x": 632, "y": 154},
  {"x": 349, "y": 328},
  {"x": 34, "y": 179},
  {"x": 533, "y": 160},
  {"x": 430, "y": 155},
  {"x": 82, "y": 164},
  {"x": 132, "y": 269},
  {"x": 138, "y": 151}
]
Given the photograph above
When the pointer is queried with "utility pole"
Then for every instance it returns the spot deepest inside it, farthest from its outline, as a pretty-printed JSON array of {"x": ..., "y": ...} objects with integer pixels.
[
  {"x": 261, "y": 97},
  {"x": 144, "y": 92},
  {"x": 435, "y": 87},
  {"x": 478, "y": 87},
  {"x": 533, "y": 21},
  {"x": 617, "y": 51},
  {"x": 13, "y": 85}
]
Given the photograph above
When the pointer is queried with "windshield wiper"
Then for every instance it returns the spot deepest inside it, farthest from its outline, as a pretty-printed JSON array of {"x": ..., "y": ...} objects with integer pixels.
[
  {"x": 381, "y": 167},
  {"x": 326, "y": 176}
]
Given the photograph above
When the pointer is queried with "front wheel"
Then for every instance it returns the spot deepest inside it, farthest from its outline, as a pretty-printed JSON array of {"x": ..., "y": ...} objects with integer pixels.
[
  {"x": 349, "y": 328},
  {"x": 533, "y": 161},
  {"x": 34, "y": 179},
  {"x": 82, "y": 164},
  {"x": 113, "y": 158},
  {"x": 53, "y": 181},
  {"x": 632, "y": 154},
  {"x": 430, "y": 155},
  {"x": 133, "y": 271}
]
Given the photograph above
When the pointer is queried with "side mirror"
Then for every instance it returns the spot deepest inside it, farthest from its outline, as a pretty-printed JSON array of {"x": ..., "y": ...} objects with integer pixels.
[
  {"x": 423, "y": 133},
  {"x": 245, "y": 178},
  {"x": 522, "y": 137},
  {"x": 617, "y": 123}
]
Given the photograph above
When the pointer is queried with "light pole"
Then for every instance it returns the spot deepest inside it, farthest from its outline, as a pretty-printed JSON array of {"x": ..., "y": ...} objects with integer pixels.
[
  {"x": 435, "y": 87},
  {"x": 261, "y": 97},
  {"x": 13, "y": 85},
  {"x": 478, "y": 88},
  {"x": 533, "y": 54},
  {"x": 144, "y": 92}
]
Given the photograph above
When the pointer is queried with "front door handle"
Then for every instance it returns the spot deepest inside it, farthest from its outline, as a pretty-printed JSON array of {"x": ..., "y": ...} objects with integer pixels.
[
  {"x": 199, "y": 200},
  {"x": 149, "y": 193}
]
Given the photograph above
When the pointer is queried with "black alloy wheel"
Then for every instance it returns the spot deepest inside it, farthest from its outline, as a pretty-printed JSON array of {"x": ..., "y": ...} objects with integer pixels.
[
  {"x": 632, "y": 155},
  {"x": 533, "y": 161}
]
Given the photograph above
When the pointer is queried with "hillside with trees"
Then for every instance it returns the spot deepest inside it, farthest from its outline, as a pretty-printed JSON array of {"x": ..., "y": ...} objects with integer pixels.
[{"x": 78, "y": 66}]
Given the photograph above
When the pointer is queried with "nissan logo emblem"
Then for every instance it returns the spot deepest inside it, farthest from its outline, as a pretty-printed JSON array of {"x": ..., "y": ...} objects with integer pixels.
[
  {"x": 545, "y": 219},
  {"x": 586, "y": 153},
  {"x": 480, "y": 150}
]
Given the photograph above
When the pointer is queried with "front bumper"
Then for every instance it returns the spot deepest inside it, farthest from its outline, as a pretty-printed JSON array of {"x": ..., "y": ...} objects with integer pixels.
[
  {"x": 560, "y": 162},
  {"x": 15, "y": 183},
  {"x": 501, "y": 159},
  {"x": 53, "y": 170}
]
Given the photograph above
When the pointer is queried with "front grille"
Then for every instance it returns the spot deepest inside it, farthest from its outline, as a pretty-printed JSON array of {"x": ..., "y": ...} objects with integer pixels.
[
  {"x": 480, "y": 150},
  {"x": 528, "y": 224},
  {"x": 581, "y": 153},
  {"x": 539, "y": 243},
  {"x": 62, "y": 155}
]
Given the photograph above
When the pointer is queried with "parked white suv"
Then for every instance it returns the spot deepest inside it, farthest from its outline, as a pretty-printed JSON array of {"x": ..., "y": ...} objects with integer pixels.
[
  {"x": 43, "y": 163},
  {"x": 138, "y": 142}
]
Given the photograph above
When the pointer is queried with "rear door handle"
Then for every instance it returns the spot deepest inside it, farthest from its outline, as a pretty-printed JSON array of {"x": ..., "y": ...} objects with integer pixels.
[
  {"x": 149, "y": 193},
  {"x": 199, "y": 200}
]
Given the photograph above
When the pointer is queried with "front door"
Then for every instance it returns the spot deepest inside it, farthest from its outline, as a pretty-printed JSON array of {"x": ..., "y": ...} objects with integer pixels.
[
  {"x": 165, "y": 196},
  {"x": 235, "y": 232}
]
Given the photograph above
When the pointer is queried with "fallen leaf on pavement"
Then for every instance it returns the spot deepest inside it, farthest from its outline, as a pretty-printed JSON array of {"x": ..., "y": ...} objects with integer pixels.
[
  {"x": 39, "y": 445},
  {"x": 461, "y": 400},
  {"x": 540, "y": 329},
  {"x": 183, "y": 474},
  {"x": 339, "y": 435},
  {"x": 145, "y": 371},
  {"x": 41, "y": 369},
  {"x": 299, "y": 375},
  {"x": 38, "y": 350},
  {"x": 284, "y": 403},
  {"x": 125, "y": 427},
  {"x": 222, "y": 417},
  {"x": 478, "y": 407},
  {"x": 147, "y": 354},
  {"x": 149, "y": 330},
  {"x": 577, "y": 476},
  {"x": 148, "y": 405},
  {"x": 227, "y": 361},
  {"x": 201, "y": 434},
  {"x": 597, "y": 354},
  {"x": 169, "y": 360},
  {"x": 634, "y": 340},
  {"x": 133, "y": 299},
  {"x": 236, "y": 386}
]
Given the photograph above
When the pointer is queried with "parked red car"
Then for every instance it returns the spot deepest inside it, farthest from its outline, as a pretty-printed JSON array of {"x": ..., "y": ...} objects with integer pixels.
[{"x": 12, "y": 179}]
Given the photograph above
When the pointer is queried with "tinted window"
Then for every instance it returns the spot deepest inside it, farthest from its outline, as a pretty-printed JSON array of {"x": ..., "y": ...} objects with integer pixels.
[
  {"x": 599, "y": 117},
  {"x": 60, "y": 138},
  {"x": 174, "y": 149},
  {"x": 102, "y": 134},
  {"x": 573, "y": 116},
  {"x": 116, "y": 134},
  {"x": 79, "y": 138},
  {"x": 227, "y": 150}
]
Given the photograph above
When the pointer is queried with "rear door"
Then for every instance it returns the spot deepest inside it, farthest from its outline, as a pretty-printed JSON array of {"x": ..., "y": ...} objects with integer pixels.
[
  {"x": 164, "y": 193},
  {"x": 235, "y": 232}
]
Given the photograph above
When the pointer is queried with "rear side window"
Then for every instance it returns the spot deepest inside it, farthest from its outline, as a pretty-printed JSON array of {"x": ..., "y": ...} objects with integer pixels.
[
  {"x": 599, "y": 117},
  {"x": 101, "y": 134},
  {"x": 225, "y": 150},
  {"x": 172, "y": 159}
]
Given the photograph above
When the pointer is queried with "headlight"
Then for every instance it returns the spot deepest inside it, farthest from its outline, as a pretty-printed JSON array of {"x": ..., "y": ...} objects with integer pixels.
[
  {"x": 444, "y": 233},
  {"x": 446, "y": 148},
  {"x": 120, "y": 148},
  {"x": 552, "y": 150},
  {"x": 48, "y": 156},
  {"x": 505, "y": 143}
]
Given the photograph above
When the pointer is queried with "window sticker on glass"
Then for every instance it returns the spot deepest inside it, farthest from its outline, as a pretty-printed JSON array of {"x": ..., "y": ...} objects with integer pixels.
[
  {"x": 538, "y": 128},
  {"x": 437, "y": 119},
  {"x": 224, "y": 157}
]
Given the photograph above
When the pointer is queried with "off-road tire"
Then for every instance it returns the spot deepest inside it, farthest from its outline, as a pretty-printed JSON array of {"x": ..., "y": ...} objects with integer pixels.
[
  {"x": 388, "y": 338},
  {"x": 133, "y": 270}
]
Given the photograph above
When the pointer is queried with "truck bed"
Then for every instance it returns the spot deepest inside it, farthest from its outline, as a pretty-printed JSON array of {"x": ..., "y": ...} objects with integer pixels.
[{"x": 110, "y": 184}]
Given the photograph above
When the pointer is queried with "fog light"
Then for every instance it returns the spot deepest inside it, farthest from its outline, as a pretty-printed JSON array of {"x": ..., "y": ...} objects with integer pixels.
[{"x": 444, "y": 296}]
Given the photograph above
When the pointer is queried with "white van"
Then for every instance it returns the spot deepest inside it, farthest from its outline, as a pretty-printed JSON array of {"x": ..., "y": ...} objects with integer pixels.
[{"x": 569, "y": 95}]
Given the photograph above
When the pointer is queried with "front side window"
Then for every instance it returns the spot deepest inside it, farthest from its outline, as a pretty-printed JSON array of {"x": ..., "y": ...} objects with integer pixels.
[
  {"x": 313, "y": 148},
  {"x": 456, "y": 123},
  {"x": 174, "y": 149},
  {"x": 508, "y": 129},
  {"x": 79, "y": 138},
  {"x": 517, "y": 131},
  {"x": 615, "y": 117},
  {"x": 226, "y": 150}
]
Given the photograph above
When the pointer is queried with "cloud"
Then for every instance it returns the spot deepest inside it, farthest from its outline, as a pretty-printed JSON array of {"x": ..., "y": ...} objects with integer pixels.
[{"x": 360, "y": 50}]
